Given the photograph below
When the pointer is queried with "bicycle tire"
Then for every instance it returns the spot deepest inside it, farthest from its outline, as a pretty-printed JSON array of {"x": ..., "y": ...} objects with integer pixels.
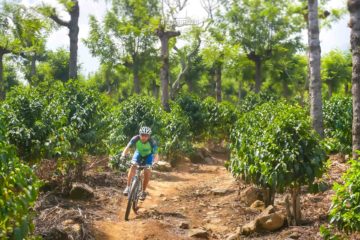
[
  {"x": 131, "y": 198},
  {"x": 136, "y": 200}
]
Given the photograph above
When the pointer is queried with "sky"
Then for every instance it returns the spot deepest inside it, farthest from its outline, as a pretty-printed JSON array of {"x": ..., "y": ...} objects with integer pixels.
[{"x": 338, "y": 36}]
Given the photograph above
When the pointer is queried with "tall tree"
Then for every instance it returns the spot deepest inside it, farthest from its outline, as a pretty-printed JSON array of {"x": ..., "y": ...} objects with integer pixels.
[
  {"x": 314, "y": 67},
  {"x": 126, "y": 36},
  {"x": 20, "y": 31},
  {"x": 216, "y": 44},
  {"x": 354, "y": 9},
  {"x": 101, "y": 45},
  {"x": 166, "y": 31},
  {"x": 73, "y": 9},
  {"x": 187, "y": 55},
  {"x": 261, "y": 26},
  {"x": 32, "y": 30},
  {"x": 288, "y": 72}
]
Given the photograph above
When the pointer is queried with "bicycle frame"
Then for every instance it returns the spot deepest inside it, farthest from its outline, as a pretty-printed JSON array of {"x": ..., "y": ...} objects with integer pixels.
[
  {"x": 138, "y": 177},
  {"x": 135, "y": 190}
]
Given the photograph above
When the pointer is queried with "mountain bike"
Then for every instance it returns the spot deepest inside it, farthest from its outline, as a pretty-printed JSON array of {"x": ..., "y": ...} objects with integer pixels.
[{"x": 135, "y": 190}]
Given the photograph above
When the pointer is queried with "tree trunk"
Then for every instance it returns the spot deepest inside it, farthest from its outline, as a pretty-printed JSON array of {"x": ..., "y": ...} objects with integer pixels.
[
  {"x": 269, "y": 196},
  {"x": 218, "y": 71},
  {"x": 296, "y": 208},
  {"x": 33, "y": 69},
  {"x": 286, "y": 90},
  {"x": 315, "y": 78},
  {"x": 107, "y": 79},
  {"x": 330, "y": 90},
  {"x": 74, "y": 35},
  {"x": 155, "y": 90},
  {"x": 258, "y": 75},
  {"x": 190, "y": 84},
  {"x": 346, "y": 89},
  {"x": 354, "y": 9},
  {"x": 239, "y": 93},
  {"x": 2, "y": 83},
  {"x": 136, "y": 79},
  {"x": 164, "y": 73}
]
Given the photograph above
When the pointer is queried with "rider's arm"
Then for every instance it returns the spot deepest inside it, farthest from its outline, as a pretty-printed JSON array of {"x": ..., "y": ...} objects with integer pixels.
[
  {"x": 130, "y": 144},
  {"x": 125, "y": 151},
  {"x": 155, "y": 151}
]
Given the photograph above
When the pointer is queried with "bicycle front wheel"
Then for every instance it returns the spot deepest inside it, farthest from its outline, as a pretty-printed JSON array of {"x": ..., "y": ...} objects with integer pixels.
[
  {"x": 136, "y": 199},
  {"x": 131, "y": 198}
]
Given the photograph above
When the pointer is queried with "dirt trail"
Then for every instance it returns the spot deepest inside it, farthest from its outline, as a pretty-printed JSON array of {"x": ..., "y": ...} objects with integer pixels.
[{"x": 181, "y": 196}]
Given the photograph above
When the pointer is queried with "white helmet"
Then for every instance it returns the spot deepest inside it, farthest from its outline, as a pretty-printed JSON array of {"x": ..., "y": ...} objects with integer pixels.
[{"x": 145, "y": 130}]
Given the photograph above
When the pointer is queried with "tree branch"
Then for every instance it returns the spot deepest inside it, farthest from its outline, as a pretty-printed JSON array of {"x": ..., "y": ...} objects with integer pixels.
[
  {"x": 184, "y": 61},
  {"x": 59, "y": 21},
  {"x": 171, "y": 34}
]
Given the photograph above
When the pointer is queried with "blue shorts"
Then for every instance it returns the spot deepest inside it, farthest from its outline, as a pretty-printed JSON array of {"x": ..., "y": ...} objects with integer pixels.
[{"x": 139, "y": 160}]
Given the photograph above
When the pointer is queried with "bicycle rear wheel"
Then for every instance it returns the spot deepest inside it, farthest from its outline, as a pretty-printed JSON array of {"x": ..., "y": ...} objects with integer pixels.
[{"x": 131, "y": 198}]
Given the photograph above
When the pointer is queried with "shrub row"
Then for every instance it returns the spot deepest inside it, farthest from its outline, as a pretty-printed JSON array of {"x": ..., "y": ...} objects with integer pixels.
[
  {"x": 64, "y": 120},
  {"x": 18, "y": 191}
]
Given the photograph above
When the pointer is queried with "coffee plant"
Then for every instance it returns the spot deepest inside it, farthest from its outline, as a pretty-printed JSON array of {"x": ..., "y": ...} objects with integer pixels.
[
  {"x": 219, "y": 118},
  {"x": 275, "y": 147},
  {"x": 19, "y": 189},
  {"x": 344, "y": 211},
  {"x": 338, "y": 124},
  {"x": 176, "y": 133},
  {"x": 193, "y": 109}
]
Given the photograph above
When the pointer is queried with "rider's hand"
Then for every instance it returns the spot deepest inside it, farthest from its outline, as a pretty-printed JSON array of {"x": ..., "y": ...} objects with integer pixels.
[{"x": 156, "y": 159}]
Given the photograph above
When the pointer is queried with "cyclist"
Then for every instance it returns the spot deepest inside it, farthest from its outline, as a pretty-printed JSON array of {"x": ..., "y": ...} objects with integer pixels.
[{"x": 146, "y": 149}]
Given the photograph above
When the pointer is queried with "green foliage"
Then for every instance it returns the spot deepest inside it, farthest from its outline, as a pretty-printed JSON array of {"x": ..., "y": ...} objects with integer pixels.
[
  {"x": 275, "y": 146},
  {"x": 270, "y": 25},
  {"x": 176, "y": 132},
  {"x": 10, "y": 77},
  {"x": 78, "y": 116},
  {"x": 288, "y": 72},
  {"x": 192, "y": 107},
  {"x": 336, "y": 70},
  {"x": 26, "y": 129},
  {"x": 252, "y": 100},
  {"x": 338, "y": 123},
  {"x": 19, "y": 189},
  {"x": 219, "y": 118},
  {"x": 55, "y": 121},
  {"x": 54, "y": 67},
  {"x": 125, "y": 36},
  {"x": 345, "y": 210},
  {"x": 327, "y": 233}
]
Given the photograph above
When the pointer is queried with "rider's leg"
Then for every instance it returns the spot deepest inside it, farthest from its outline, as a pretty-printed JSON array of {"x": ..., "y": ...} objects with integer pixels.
[
  {"x": 147, "y": 174},
  {"x": 147, "y": 171}
]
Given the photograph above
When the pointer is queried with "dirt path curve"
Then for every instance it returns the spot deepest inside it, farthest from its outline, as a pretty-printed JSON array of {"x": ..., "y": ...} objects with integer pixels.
[{"x": 185, "y": 195}]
